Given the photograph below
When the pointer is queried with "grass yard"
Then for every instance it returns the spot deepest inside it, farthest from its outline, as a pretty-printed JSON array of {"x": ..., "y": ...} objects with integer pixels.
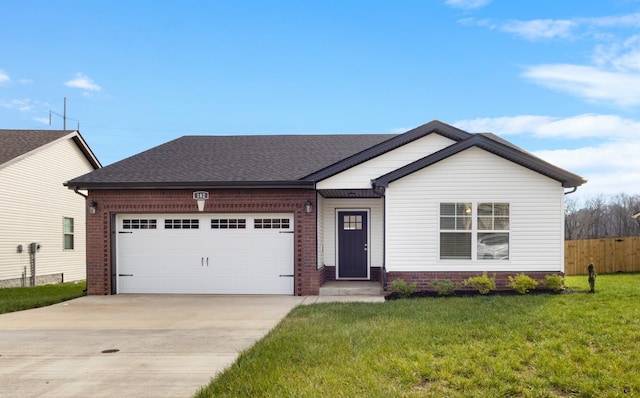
[
  {"x": 23, "y": 298},
  {"x": 567, "y": 345}
]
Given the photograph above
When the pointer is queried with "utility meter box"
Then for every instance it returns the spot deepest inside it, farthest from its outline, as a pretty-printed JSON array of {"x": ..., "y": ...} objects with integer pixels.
[{"x": 34, "y": 247}]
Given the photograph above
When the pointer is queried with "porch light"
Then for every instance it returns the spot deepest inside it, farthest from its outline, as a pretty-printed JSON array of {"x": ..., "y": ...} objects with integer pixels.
[
  {"x": 308, "y": 206},
  {"x": 93, "y": 206}
]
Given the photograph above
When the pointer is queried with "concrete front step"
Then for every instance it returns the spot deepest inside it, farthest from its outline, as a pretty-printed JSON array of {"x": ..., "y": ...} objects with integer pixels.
[{"x": 351, "y": 288}]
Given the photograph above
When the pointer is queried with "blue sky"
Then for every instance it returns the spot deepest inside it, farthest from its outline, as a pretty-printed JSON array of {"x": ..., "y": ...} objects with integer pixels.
[{"x": 561, "y": 79}]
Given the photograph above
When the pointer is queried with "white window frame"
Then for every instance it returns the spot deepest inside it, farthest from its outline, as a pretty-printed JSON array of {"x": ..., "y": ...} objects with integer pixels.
[
  {"x": 66, "y": 233},
  {"x": 474, "y": 231}
]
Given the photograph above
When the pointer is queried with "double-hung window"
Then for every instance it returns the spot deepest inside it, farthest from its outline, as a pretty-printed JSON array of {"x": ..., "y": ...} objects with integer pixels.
[
  {"x": 67, "y": 233},
  {"x": 455, "y": 231},
  {"x": 467, "y": 225},
  {"x": 493, "y": 231}
]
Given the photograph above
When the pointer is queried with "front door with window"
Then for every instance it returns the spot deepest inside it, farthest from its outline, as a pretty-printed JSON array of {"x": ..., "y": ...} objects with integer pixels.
[{"x": 352, "y": 245}]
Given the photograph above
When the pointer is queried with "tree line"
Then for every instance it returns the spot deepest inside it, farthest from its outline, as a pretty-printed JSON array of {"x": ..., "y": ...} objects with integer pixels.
[{"x": 602, "y": 217}]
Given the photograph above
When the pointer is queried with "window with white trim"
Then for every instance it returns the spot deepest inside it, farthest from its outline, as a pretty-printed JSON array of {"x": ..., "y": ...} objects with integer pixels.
[
  {"x": 465, "y": 225},
  {"x": 455, "y": 231},
  {"x": 68, "y": 232}
]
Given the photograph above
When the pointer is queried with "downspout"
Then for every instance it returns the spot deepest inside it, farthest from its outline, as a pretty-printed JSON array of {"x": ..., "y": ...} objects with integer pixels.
[
  {"x": 572, "y": 191},
  {"x": 76, "y": 190}
]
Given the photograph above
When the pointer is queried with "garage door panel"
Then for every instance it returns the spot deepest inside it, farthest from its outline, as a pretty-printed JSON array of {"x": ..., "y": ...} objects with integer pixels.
[{"x": 206, "y": 253}]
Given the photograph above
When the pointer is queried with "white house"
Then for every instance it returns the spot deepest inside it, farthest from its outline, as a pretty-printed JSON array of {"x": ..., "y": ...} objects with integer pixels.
[
  {"x": 284, "y": 214},
  {"x": 42, "y": 223}
]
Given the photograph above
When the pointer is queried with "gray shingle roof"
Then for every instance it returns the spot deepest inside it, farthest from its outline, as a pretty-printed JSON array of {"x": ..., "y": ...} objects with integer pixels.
[
  {"x": 229, "y": 160},
  {"x": 15, "y": 143},
  {"x": 289, "y": 160}
]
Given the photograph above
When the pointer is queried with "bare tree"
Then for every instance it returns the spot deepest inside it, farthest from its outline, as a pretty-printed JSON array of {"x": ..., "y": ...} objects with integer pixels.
[{"x": 601, "y": 217}]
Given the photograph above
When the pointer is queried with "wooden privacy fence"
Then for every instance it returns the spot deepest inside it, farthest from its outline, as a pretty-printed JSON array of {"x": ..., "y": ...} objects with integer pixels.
[{"x": 608, "y": 255}]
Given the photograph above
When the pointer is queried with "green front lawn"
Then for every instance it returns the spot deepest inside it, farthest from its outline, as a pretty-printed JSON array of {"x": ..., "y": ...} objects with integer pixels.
[
  {"x": 23, "y": 298},
  {"x": 568, "y": 345}
]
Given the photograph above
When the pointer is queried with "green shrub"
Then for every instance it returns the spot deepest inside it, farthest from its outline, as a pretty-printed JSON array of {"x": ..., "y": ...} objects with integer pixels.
[
  {"x": 444, "y": 288},
  {"x": 482, "y": 283},
  {"x": 402, "y": 287},
  {"x": 553, "y": 282},
  {"x": 522, "y": 283}
]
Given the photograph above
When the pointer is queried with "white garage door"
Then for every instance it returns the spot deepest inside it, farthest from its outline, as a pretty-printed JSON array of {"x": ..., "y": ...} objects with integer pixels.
[{"x": 205, "y": 253}]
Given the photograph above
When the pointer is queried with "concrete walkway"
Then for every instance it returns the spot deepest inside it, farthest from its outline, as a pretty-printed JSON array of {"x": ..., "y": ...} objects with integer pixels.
[{"x": 133, "y": 345}]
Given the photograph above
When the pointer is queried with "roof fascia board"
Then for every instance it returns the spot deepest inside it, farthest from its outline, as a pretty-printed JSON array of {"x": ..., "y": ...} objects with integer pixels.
[
  {"x": 195, "y": 185},
  {"x": 434, "y": 126},
  {"x": 567, "y": 179},
  {"x": 86, "y": 150}
]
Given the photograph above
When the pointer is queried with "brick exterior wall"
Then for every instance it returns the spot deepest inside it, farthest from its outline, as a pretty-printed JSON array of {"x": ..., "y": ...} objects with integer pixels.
[
  {"x": 424, "y": 278},
  {"x": 111, "y": 202}
]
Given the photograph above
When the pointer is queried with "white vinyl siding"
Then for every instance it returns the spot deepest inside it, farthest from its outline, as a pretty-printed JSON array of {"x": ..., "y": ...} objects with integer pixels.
[
  {"x": 360, "y": 176},
  {"x": 34, "y": 202},
  {"x": 376, "y": 216},
  {"x": 412, "y": 206}
]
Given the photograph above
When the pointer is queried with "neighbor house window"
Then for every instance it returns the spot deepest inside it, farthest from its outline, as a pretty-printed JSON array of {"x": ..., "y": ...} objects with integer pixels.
[
  {"x": 465, "y": 225},
  {"x": 67, "y": 233}
]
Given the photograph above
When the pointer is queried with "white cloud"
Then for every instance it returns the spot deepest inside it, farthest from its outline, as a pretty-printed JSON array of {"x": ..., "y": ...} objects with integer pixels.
[
  {"x": 4, "y": 77},
  {"x": 611, "y": 166},
  {"x": 610, "y": 127},
  {"x": 568, "y": 28},
  {"x": 22, "y": 105},
  {"x": 83, "y": 82},
  {"x": 42, "y": 120},
  {"x": 621, "y": 21},
  {"x": 591, "y": 83},
  {"x": 467, "y": 4},
  {"x": 541, "y": 28},
  {"x": 623, "y": 56}
]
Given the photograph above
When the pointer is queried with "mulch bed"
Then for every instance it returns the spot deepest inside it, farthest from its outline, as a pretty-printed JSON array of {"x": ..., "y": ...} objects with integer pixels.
[{"x": 474, "y": 293}]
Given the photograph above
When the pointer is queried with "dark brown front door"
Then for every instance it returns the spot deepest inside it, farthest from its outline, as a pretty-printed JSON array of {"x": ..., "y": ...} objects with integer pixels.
[{"x": 352, "y": 244}]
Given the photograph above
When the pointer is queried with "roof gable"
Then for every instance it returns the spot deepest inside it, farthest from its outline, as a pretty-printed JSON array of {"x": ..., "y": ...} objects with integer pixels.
[
  {"x": 17, "y": 144},
  {"x": 489, "y": 144},
  {"x": 434, "y": 126}
]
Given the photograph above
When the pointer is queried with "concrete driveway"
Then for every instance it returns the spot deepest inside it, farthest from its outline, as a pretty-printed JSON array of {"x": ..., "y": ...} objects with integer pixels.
[{"x": 130, "y": 345}]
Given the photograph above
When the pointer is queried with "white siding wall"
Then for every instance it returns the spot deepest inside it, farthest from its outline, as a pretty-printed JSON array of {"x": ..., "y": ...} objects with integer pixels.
[
  {"x": 360, "y": 176},
  {"x": 33, "y": 203},
  {"x": 376, "y": 216},
  {"x": 536, "y": 204}
]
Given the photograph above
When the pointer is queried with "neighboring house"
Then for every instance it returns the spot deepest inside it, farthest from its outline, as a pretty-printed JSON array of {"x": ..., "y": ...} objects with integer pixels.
[
  {"x": 283, "y": 214},
  {"x": 35, "y": 207}
]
